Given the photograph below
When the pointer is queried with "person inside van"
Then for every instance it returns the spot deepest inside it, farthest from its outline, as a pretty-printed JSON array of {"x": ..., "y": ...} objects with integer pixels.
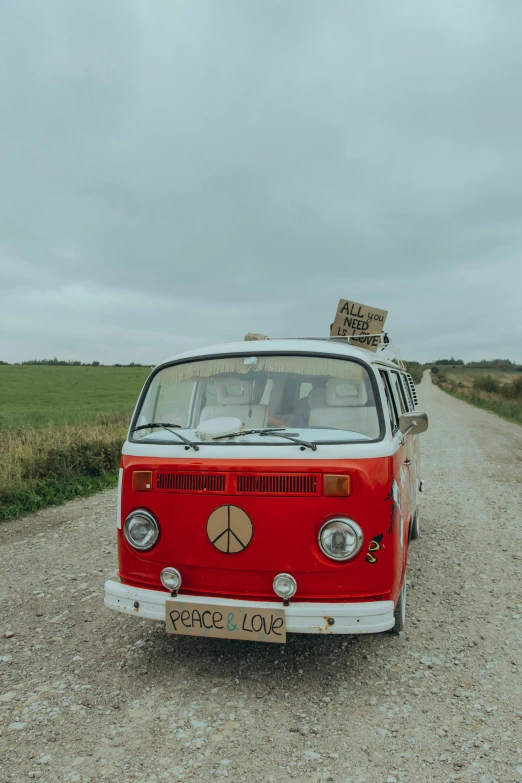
[
  {"x": 315, "y": 398},
  {"x": 295, "y": 410}
]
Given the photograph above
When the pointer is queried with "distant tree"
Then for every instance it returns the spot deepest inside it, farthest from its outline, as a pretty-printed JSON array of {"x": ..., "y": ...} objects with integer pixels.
[
  {"x": 449, "y": 361},
  {"x": 415, "y": 369},
  {"x": 497, "y": 364},
  {"x": 4, "y": 362},
  {"x": 95, "y": 364},
  {"x": 55, "y": 362}
]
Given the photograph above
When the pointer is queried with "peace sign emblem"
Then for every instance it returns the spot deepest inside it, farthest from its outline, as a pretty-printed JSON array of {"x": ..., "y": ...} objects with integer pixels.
[{"x": 229, "y": 529}]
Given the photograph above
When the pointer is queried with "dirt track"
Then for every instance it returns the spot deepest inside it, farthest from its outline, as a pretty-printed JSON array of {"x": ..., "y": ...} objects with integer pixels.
[{"x": 90, "y": 695}]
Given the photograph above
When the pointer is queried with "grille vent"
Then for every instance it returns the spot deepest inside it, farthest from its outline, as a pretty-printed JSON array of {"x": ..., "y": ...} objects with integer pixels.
[
  {"x": 412, "y": 387},
  {"x": 191, "y": 482},
  {"x": 278, "y": 484}
]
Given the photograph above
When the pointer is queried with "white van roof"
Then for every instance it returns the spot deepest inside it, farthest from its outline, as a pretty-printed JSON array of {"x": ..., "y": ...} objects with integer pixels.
[{"x": 386, "y": 355}]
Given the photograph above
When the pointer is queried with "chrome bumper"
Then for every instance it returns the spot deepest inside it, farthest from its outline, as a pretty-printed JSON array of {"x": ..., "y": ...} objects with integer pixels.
[{"x": 350, "y": 618}]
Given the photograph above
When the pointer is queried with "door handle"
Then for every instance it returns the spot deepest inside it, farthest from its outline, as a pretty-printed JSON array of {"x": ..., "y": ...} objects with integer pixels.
[{"x": 407, "y": 461}]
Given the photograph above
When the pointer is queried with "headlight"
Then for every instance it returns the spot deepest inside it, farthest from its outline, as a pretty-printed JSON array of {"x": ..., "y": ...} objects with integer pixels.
[
  {"x": 284, "y": 586},
  {"x": 141, "y": 530},
  {"x": 171, "y": 578},
  {"x": 340, "y": 539}
]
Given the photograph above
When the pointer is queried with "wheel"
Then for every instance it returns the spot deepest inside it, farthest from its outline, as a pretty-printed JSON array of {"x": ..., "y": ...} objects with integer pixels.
[
  {"x": 415, "y": 526},
  {"x": 400, "y": 610}
]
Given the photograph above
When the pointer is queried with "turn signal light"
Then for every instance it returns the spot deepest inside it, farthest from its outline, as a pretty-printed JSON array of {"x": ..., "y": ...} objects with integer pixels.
[
  {"x": 337, "y": 486},
  {"x": 142, "y": 480}
]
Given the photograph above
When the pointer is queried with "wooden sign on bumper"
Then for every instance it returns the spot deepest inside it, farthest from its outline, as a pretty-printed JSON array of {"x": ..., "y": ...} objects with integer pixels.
[
  {"x": 360, "y": 323},
  {"x": 226, "y": 622}
]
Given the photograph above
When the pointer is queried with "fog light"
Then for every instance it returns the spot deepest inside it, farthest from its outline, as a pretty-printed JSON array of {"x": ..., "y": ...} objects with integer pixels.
[
  {"x": 284, "y": 586},
  {"x": 171, "y": 578}
]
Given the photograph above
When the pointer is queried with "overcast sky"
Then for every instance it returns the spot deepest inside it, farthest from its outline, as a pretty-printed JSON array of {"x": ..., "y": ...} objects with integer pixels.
[{"x": 179, "y": 172}]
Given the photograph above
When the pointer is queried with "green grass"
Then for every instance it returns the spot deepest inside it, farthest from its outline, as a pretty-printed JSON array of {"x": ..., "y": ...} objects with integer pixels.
[
  {"x": 467, "y": 375},
  {"x": 464, "y": 384},
  {"x": 506, "y": 410},
  {"x": 18, "y": 501},
  {"x": 34, "y": 396},
  {"x": 61, "y": 432}
]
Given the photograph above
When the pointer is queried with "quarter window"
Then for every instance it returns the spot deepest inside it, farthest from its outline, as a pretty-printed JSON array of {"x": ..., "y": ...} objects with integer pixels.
[
  {"x": 392, "y": 410},
  {"x": 399, "y": 393}
]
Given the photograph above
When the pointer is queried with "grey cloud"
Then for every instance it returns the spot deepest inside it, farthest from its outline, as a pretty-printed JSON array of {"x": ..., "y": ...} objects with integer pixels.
[{"x": 171, "y": 156}]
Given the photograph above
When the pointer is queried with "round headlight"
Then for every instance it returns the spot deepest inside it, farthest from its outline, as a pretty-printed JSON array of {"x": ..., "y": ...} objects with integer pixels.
[
  {"x": 141, "y": 530},
  {"x": 284, "y": 586},
  {"x": 340, "y": 539},
  {"x": 171, "y": 578}
]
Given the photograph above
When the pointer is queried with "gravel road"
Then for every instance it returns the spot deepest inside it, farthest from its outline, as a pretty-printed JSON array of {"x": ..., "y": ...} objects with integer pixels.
[{"x": 91, "y": 695}]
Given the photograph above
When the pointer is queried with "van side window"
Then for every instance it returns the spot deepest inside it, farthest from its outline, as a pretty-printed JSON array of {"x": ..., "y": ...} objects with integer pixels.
[
  {"x": 392, "y": 410},
  {"x": 399, "y": 393}
]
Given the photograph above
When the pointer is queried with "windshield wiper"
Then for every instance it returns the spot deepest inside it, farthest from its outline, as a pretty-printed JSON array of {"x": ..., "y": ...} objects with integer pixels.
[
  {"x": 276, "y": 431},
  {"x": 248, "y": 432},
  {"x": 303, "y": 443},
  {"x": 188, "y": 443}
]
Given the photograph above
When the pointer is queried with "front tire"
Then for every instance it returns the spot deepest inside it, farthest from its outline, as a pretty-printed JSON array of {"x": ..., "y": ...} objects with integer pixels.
[
  {"x": 400, "y": 610},
  {"x": 415, "y": 526}
]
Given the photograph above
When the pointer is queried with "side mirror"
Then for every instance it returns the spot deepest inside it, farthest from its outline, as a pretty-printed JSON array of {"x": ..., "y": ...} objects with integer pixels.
[{"x": 413, "y": 422}]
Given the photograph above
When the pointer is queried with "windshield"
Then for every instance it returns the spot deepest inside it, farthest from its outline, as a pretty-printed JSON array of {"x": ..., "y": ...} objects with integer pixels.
[{"x": 317, "y": 397}]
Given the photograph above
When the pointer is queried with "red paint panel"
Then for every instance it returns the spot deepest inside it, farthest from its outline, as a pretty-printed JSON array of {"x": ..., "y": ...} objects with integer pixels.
[{"x": 285, "y": 531}]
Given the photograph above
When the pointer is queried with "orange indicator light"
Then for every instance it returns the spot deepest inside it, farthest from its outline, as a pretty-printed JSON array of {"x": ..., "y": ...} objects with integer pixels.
[
  {"x": 337, "y": 486},
  {"x": 142, "y": 480}
]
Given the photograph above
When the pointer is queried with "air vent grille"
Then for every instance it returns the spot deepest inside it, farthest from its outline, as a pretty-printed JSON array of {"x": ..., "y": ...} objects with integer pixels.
[
  {"x": 191, "y": 482},
  {"x": 412, "y": 387},
  {"x": 278, "y": 484}
]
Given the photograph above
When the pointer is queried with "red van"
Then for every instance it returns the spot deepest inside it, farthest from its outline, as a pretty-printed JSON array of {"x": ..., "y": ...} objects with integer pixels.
[{"x": 270, "y": 487}]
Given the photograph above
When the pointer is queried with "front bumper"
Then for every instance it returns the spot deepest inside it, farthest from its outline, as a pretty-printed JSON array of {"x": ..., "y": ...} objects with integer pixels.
[{"x": 353, "y": 618}]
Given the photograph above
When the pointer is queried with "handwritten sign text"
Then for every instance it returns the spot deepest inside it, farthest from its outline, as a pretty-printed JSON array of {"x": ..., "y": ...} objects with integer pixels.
[
  {"x": 360, "y": 323},
  {"x": 225, "y": 622}
]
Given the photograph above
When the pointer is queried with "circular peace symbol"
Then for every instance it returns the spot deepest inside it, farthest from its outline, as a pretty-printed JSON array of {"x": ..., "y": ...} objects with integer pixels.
[{"x": 229, "y": 529}]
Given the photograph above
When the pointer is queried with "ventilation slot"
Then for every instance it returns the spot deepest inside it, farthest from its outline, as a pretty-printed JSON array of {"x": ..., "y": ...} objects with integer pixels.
[
  {"x": 190, "y": 482},
  {"x": 412, "y": 387},
  {"x": 278, "y": 484}
]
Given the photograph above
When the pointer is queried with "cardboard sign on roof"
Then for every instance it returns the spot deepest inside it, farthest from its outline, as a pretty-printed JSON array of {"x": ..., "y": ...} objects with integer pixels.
[{"x": 360, "y": 323}]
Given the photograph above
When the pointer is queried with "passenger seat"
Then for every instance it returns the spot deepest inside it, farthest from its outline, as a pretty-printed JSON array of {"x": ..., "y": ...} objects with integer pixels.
[
  {"x": 346, "y": 408},
  {"x": 232, "y": 398}
]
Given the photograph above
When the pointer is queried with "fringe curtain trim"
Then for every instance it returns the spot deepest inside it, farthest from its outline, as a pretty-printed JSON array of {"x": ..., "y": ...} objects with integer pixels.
[{"x": 308, "y": 366}]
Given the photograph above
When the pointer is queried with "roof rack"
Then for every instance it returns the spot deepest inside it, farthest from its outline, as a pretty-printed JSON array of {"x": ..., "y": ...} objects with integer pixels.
[
  {"x": 394, "y": 351},
  {"x": 386, "y": 345}
]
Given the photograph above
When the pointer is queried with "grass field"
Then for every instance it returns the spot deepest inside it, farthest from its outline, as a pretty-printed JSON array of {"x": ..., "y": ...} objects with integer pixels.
[
  {"x": 61, "y": 431},
  {"x": 35, "y": 396},
  {"x": 499, "y": 391},
  {"x": 467, "y": 375}
]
